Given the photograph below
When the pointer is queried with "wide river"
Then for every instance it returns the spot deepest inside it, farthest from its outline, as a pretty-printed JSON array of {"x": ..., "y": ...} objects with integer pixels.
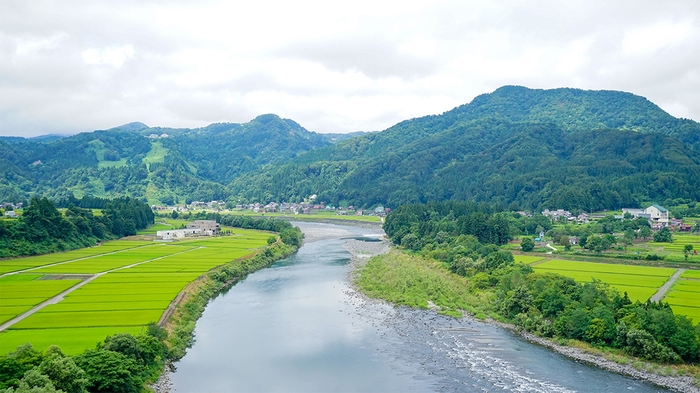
[{"x": 298, "y": 326}]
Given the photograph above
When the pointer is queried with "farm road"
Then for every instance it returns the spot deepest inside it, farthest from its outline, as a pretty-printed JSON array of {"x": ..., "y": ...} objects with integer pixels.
[
  {"x": 71, "y": 260},
  {"x": 661, "y": 293},
  {"x": 62, "y": 295}
]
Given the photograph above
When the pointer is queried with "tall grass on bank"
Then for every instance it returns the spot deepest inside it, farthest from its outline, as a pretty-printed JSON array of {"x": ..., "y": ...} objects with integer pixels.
[{"x": 413, "y": 281}]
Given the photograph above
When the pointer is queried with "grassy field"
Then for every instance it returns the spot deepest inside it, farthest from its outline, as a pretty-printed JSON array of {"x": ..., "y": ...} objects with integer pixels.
[
  {"x": 123, "y": 300},
  {"x": 528, "y": 259},
  {"x": 640, "y": 282},
  {"x": 16, "y": 264},
  {"x": 684, "y": 297}
]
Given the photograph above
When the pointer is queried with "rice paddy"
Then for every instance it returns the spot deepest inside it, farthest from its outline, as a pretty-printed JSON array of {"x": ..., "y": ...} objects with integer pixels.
[
  {"x": 133, "y": 283},
  {"x": 527, "y": 259},
  {"x": 640, "y": 282},
  {"x": 684, "y": 297}
]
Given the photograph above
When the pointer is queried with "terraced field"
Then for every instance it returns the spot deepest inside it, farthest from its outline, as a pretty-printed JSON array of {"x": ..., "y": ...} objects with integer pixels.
[
  {"x": 129, "y": 288},
  {"x": 684, "y": 297},
  {"x": 640, "y": 282},
  {"x": 675, "y": 249}
]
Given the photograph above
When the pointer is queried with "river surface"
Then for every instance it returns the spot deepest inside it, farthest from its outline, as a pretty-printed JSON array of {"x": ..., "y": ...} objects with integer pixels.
[{"x": 298, "y": 326}]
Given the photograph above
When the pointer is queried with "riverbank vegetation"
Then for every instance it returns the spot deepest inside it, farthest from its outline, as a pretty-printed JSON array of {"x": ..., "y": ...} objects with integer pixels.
[
  {"x": 463, "y": 238},
  {"x": 123, "y": 305}
]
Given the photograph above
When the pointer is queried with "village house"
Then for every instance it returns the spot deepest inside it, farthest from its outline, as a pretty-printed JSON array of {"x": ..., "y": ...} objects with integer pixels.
[
  {"x": 207, "y": 227},
  {"x": 654, "y": 213},
  {"x": 172, "y": 234}
]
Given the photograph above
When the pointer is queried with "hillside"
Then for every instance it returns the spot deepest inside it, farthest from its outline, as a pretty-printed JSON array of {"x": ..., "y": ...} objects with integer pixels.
[
  {"x": 163, "y": 165},
  {"x": 566, "y": 148},
  {"x": 527, "y": 148}
]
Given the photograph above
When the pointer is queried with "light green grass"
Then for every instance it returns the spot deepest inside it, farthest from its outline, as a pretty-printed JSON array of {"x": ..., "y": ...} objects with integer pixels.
[
  {"x": 695, "y": 274},
  {"x": 640, "y": 282},
  {"x": 112, "y": 164},
  {"x": 72, "y": 340},
  {"x": 47, "y": 320},
  {"x": 606, "y": 268},
  {"x": 156, "y": 154},
  {"x": 127, "y": 297},
  {"x": 528, "y": 259}
]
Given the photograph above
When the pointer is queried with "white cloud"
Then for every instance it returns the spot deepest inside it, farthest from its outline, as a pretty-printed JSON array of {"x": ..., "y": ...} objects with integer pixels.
[
  {"x": 114, "y": 56},
  {"x": 332, "y": 67}
]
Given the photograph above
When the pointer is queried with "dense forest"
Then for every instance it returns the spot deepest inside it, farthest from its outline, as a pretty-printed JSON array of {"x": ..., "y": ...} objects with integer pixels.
[
  {"x": 530, "y": 148},
  {"x": 42, "y": 228},
  {"x": 523, "y": 148},
  {"x": 464, "y": 237}
]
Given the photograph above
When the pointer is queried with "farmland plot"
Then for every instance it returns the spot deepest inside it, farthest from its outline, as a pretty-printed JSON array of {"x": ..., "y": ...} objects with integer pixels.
[
  {"x": 684, "y": 297},
  {"x": 640, "y": 282},
  {"x": 124, "y": 300}
]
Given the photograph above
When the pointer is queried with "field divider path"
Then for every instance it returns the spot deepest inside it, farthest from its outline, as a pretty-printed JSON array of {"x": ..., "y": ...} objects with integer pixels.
[
  {"x": 62, "y": 295},
  {"x": 72, "y": 260},
  {"x": 661, "y": 293}
]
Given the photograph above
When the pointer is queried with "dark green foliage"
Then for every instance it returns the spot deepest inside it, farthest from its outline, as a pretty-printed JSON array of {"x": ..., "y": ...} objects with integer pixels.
[
  {"x": 109, "y": 371},
  {"x": 664, "y": 235},
  {"x": 543, "y": 303},
  {"x": 43, "y": 229},
  {"x": 528, "y": 244},
  {"x": 561, "y": 148},
  {"x": 63, "y": 372}
]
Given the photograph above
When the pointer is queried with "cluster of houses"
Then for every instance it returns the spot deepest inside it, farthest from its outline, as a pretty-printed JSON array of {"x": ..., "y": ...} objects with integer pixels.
[
  {"x": 307, "y": 207},
  {"x": 197, "y": 228},
  {"x": 658, "y": 217},
  {"x": 10, "y": 208},
  {"x": 156, "y": 136},
  {"x": 555, "y": 215}
]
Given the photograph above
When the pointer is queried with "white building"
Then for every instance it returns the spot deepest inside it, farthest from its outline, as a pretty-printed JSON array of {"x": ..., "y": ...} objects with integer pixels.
[{"x": 177, "y": 233}]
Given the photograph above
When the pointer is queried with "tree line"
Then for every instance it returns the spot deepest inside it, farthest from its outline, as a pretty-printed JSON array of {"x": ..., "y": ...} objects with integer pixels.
[
  {"x": 464, "y": 236},
  {"x": 43, "y": 229}
]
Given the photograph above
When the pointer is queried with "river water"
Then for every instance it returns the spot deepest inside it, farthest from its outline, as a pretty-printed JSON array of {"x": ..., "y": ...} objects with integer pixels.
[{"x": 298, "y": 326}]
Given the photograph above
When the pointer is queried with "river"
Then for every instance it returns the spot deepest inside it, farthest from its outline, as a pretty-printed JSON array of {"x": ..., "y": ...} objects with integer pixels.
[{"x": 298, "y": 326}]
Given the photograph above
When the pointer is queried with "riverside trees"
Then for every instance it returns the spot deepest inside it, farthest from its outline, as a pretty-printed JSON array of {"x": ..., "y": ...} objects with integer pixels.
[{"x": 547, "y": 304}]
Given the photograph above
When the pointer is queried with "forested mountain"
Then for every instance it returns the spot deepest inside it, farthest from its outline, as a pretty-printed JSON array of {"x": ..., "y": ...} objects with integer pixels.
[
  {"x": 563, "y": 148},
  {"x": 161, "y": 164}
]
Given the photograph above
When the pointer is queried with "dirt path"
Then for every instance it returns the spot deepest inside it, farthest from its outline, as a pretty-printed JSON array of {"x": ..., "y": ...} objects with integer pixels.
[
  {"x": 62, "y": 295},
  {"x": 661, "y": 293},
  {"x": 70, "y": 260}
]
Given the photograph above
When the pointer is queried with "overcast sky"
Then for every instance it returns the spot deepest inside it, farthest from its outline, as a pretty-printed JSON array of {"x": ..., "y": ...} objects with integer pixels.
[{"x": 73, "y": 66}]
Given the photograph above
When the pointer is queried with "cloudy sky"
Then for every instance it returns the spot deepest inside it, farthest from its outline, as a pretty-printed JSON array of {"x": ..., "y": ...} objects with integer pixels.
[{"x": 72, "y": 66}]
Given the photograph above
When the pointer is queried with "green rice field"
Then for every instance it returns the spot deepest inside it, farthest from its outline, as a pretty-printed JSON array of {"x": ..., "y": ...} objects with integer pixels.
[
  {"x": 132, "y": 284},
  {"x": 684, "y": 297},
  {"x": 640, "y": 282},
  {"x": 528, "y": 259}
]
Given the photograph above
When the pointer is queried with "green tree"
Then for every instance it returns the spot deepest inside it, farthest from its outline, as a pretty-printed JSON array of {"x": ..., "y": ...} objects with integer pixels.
[
  {"x": 63, "y": 372},
  {"x": 527, "y": 244},
  {"x": 687, "y": 249},
  {"x": 645, "y": 232},
  {"x": 663, "y": 236},
  {"x": 109, "y": 371}
]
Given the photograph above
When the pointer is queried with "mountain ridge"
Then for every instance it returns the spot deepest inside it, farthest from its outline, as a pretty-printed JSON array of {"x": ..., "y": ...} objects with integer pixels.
[{"x": 516, "y": 145}]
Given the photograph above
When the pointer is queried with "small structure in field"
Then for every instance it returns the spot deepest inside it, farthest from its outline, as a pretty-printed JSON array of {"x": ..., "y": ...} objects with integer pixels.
[
  {"x": 172, "y": 234},
  {"x": 208, "y": 227}
]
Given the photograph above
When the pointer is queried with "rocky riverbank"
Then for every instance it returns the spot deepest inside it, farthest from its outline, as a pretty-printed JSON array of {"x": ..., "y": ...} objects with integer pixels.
[
  {"x": 362, "y": 251},
  {"x": 679, "y": 383}
]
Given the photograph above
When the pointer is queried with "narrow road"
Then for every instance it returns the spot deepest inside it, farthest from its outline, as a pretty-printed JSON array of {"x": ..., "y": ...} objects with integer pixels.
[
  {"x": 661, "y": 293},
  {"x": 71, "y": 260},
  {"x": 62, "y": 295}
]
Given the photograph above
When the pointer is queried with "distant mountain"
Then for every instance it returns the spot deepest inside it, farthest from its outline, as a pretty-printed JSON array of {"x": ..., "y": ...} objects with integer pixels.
[
  {"x": 159, "y": 164},
  {"x": 563, "y": 148},
  {"x": 41, "y": 138},
  {"x": 554, "y": 148}
]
